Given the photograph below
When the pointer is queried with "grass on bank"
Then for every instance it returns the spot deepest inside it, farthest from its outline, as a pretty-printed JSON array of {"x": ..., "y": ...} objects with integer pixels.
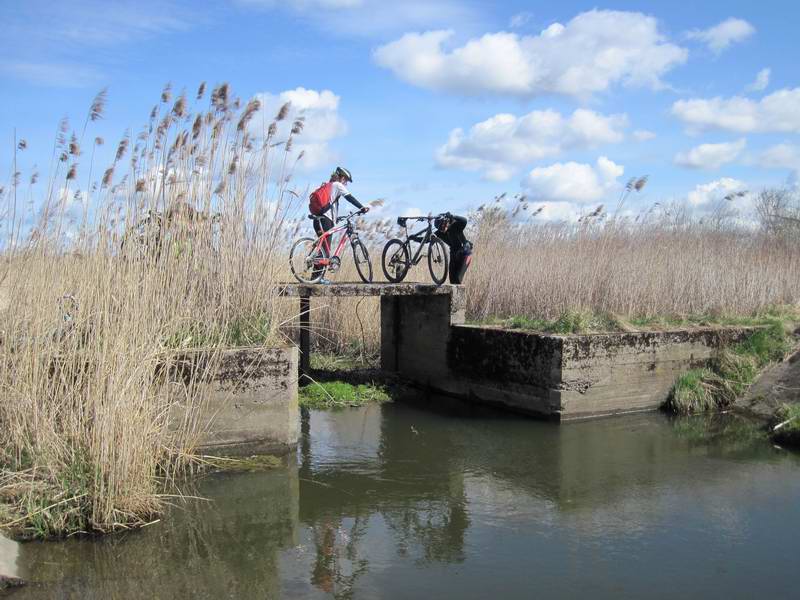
[
  {"x": 340, "y": 394},
  {"x": 585, "y": 321},
  {"x": 729, "y": 375}
]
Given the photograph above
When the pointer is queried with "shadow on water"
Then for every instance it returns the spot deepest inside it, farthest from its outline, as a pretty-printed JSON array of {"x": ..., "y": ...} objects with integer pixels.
[{"x": 401, "y": 500}]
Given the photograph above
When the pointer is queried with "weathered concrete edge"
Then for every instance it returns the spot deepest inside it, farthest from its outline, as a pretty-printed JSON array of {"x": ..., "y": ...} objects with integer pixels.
[
  {"x": 7, "y": 582},
  {"x": 299, "y": 290},
  {"x": 577, "y": 359},
  {"x": 252, "y": 408}
]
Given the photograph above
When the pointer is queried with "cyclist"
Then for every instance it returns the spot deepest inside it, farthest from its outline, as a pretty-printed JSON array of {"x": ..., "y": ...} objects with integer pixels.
[
  {"x": 450, "y": 229},
  {"x": 325, "y": 199}
]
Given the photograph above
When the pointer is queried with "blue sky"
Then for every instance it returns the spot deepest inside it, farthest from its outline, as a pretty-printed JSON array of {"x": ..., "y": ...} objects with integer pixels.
[{"x": 443, "y": 105}]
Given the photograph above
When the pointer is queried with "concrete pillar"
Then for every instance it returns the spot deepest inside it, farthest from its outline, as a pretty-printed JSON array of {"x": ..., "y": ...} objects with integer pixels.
[
  {"x": 415, "y": 331},
  {"x": 390, "y": 332},
  {"x": 305, "y": 336}
]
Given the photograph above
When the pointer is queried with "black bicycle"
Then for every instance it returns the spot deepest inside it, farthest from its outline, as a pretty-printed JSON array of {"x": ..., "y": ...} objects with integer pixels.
[{"x": 399, "y": 256}]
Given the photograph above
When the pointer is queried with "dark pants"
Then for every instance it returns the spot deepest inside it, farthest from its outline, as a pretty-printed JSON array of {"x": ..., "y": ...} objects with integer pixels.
[
  {"x": 459, "y": 261},
  {"x": 321, "y": 225}
]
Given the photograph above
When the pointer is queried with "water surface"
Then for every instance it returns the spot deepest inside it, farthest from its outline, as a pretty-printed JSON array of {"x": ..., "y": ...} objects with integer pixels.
[{"x": 397, "y": 501}]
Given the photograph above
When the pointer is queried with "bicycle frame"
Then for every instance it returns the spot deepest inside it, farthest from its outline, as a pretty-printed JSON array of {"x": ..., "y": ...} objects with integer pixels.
[
  {"x": 323, "y": 243},
  {"x": 423, "y": 237}
]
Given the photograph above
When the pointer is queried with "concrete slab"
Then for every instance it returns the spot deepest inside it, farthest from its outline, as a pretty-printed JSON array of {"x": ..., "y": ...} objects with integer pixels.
[{"x": 297, "y": 290}]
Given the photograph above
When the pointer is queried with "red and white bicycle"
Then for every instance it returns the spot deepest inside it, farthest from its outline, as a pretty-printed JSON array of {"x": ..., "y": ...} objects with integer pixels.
[{"x": 310, "y": 258}]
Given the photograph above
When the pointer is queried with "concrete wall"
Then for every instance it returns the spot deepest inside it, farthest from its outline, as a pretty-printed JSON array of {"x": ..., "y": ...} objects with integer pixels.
[
  {"x": 625, "y": 372},
  {"x": 423, "y": 339},
  {"x": 249, "y": 404},
  {"x": 416, "y": 332},
  {"x": 9, "y": 551}
]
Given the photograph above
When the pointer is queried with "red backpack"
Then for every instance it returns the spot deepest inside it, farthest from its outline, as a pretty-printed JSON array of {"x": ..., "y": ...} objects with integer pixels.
[{"x": 320, "y": 199}]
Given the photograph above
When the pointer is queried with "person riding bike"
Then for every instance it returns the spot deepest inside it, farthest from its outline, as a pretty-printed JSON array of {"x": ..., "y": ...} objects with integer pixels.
[
  {"x": 450, "y": 229},
  {"x": 325, "y": 199}
]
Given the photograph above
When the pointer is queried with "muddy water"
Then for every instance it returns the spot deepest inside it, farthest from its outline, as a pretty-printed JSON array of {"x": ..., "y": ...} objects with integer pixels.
[{"x": 401, "y": 502}]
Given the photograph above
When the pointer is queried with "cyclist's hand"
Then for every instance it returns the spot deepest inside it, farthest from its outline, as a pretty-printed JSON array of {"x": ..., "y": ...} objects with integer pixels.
[{"x": 364, "y": 210}]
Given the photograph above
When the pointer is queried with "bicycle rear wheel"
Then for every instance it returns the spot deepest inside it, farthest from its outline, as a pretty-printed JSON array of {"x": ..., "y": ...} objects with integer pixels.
[
  {"x": 303, "y": 261},
  {"x": 438, "y": 262},
  {"x": 395, "y": 260},
  {"x": 363, "y": 263}
]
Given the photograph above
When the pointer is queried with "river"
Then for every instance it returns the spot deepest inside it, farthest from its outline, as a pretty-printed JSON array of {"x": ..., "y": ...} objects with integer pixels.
[{"x": 399, "y": 501}]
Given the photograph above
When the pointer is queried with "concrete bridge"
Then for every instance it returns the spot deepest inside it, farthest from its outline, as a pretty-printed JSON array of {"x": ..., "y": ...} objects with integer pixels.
[
  {"x": 417, "y": 314},
  {"x": 425, "y": 340}
]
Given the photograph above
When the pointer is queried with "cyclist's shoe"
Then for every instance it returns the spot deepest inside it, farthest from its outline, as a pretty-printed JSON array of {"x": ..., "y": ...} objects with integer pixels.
[{"x": 324, "y": 281}]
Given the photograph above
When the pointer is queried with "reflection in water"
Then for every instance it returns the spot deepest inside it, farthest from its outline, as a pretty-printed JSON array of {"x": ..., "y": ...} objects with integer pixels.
[{"x": 395, "y": 501}]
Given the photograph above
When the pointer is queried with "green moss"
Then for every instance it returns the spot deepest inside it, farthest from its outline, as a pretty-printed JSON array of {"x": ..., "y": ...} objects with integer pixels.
[
  {"x": 584, "y": 321},
  {"x": 568, "y": 323},
  {"x": 338, "y": 394}
]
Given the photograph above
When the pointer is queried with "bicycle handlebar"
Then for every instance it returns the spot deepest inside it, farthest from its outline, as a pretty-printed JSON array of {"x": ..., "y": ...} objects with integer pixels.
[
  {"x": 347, "y": 217},
  {"x": 402, "y": 220}
]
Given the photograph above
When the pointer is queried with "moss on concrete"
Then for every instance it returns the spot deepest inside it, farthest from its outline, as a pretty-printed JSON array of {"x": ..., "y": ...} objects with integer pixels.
[{"x": 258, "y": 462}]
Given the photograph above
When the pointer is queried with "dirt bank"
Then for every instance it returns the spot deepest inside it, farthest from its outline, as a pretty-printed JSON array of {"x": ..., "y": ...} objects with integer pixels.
[{"x": 775, "y": 387}]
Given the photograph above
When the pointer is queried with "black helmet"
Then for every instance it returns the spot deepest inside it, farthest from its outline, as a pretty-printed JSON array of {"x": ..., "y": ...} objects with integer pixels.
[{"x": 342, "y": 172}]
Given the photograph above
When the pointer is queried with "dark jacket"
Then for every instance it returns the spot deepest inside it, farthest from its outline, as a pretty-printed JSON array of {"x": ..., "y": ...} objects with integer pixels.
[{"x": 454, "y": 236}]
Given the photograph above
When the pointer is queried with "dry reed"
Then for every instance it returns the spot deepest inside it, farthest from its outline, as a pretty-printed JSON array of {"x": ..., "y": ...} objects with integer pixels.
[{"x": 174, "y": 249}]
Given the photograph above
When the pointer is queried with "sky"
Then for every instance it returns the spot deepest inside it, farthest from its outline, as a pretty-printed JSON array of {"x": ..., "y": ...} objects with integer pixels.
[{"x": 441, "y": 105}]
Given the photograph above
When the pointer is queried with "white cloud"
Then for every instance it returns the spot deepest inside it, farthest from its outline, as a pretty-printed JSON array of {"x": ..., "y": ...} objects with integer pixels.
[
  {"x": 499, "y": 144},
  {"x": 556, "y": 211},
  {"x": 761, "y": 81},
  {"x": 520, "y": 20},
  {"x": 711, "y": 156},
  {"x": 369, "y": 17},
  {"x": 719, "y": 37},
  {"x": 573, "y": 182},
  {"x": 91, "y": 23},
  {"x": 51, "y": 74},
  {"x": 322, "y": 122},
  {"x": 52, "y": 36},
  {"x": 643, "y": 135},
  {"x": 303, "y": 4},
  {"x": 713, "y": 191},
  {"x": 777, "y": 112},
  {"x": 781, "y": 156},
  {"x": 589, "y": 54}
]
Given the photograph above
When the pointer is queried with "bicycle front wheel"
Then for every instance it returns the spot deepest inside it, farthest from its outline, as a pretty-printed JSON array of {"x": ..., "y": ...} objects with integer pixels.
[
  {"x": 363, "y": 264},
  {"x": 437, "y": 261},
  {"x": 395, "y": 260},
  {"x": 303, "y": 261}
]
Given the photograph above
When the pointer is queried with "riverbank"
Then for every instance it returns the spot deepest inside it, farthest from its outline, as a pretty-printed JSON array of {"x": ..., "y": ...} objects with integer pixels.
[{"x": 774, "y": 401}]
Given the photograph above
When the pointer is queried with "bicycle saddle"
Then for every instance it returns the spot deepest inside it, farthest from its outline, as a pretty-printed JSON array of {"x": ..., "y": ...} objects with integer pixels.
[{"x": 402, "y": 221}]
